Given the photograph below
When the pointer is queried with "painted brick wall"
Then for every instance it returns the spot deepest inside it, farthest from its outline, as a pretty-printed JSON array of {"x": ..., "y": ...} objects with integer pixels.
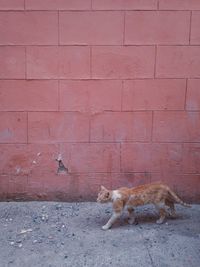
[{"x": 110, "y": 87}]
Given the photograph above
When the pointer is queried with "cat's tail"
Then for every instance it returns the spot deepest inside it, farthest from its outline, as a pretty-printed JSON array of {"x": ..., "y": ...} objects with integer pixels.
[{"x": 178, "y": 200}]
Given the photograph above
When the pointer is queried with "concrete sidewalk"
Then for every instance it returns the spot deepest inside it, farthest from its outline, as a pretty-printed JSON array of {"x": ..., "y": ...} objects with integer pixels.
[{"x": 69, "y": 234}]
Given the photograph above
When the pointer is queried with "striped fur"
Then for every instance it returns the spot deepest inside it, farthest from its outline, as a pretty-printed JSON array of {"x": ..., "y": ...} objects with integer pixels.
[{"x": 158, "y": 194}]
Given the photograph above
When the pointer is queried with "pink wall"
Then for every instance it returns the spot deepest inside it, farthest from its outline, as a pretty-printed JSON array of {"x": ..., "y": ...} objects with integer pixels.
[{"x": 112, "y": 87}]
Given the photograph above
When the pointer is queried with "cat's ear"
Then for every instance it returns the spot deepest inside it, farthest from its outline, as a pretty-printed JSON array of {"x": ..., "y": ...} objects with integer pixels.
[{"x": 103, "y": 187}]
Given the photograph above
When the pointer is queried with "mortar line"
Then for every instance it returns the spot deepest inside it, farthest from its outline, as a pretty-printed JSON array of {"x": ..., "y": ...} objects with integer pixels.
[
  {"x": 124, "y": 28},
  {"x": 101, "y": 45},
  {"x": 155, "y": 61},
  {"x": 58, "y": 95},
  {"x": 186, "y": 90},
  {"x": 120, "y": 157},
  {"x": 90, "y": 62},
  {"x": 190, "y": 28},
  {"x": 27, "y": 128},
  {"x": 89, "y": 137},
  {"x": 58, "y": 27},
  {"x": 152, "y": 122},
  {"x": 25, "y": 63},
  {"x": 158, "y": 4},
  {"x": 96, "y": 10},
  {"x": 122, "y": 90}
]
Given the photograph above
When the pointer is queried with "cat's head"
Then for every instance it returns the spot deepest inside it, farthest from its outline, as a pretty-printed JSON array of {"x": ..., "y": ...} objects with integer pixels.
[{"x": 104, "y": 195}]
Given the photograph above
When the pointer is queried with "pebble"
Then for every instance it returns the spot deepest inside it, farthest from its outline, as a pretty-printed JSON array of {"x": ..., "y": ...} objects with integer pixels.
[
  {"x": 20, "y": 245},
  {"x": 45, "y": 217},
  {"x": 58, "y": 206},
  {"x": 24, "y": 231}
]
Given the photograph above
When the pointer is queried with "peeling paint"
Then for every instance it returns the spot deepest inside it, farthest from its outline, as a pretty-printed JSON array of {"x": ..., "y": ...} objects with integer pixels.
[{"x": 61, "y": 167}]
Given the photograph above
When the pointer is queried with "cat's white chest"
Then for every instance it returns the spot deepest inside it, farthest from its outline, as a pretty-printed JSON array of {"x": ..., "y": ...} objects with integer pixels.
[{"x": 115, "y": 195}]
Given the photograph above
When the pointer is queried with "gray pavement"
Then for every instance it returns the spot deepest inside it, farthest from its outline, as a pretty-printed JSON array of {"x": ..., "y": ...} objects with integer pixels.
[{"x": 53, "y": 234}]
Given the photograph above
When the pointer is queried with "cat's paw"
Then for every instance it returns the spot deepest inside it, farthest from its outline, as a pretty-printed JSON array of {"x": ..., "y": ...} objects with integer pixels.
[
  {"x": 160, "y": 221},
  {"x": 131, "y": 221},
  {"x": 105, "y": 227}
]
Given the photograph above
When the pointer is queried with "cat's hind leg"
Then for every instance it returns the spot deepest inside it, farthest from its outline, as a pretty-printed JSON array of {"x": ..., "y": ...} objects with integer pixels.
[
  {"x": 162, "y": 214},
  {"x": 170, "y": 204},
  {"x": 131, "y": 217}
]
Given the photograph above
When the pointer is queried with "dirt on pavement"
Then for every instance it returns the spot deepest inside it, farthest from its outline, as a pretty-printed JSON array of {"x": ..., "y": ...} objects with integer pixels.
[{"x": 56, "y": 234}]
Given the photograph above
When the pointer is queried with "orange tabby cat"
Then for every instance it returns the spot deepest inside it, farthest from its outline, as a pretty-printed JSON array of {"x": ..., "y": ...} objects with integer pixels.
[{"x": 158, "y": 194}]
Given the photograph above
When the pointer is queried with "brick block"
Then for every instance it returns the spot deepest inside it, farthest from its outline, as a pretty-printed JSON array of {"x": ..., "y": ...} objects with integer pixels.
[
  {"x": 146, "y": 157},
  {"x": 50, "y": 184},
  {"x": 89, "y": 184},
  {"x": 155, "y": 94},
  {"x": 11, "y": 4},
  {"x": 65, "y": 62},
  {"x": 195, "y": 26},
  {"x": 28, "y": 95},
  {"x": 21, "y": 160},
  {"x": 124, "y": 5},
  {"x": 157, "y": 27},
  {"x": 12, "y": 62},
  {"x": 17, "y": 185},
  {"x": 193, "y": 95},
  {"x": 53, "y": 127},
  {"x": 58, "y": 4},
  {"x": 126, "y": 62},
  {"x": 179, "y": 4},
  {"x": 13, "y": 127},
  {"x": 90, "y": 96},
  {"x": 4, "y": 186},
  {"x": 176, "y": 126},
  {"x": 191, "y": 158},
  {"x": 30, "y": 28},
  {"x": 130, "y": 179},
  {"x": 178, "y": 62},
  {"x": 96, "y": 28},
  {"x": 90, "y": 157},
  {"x": 116, "y": 127}
]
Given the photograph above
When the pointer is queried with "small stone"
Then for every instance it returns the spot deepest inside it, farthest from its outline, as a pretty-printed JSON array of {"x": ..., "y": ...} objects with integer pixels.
[
  {"x": 24, "y": 231},
  {"x": 12, "y": 243},
  {"x": 58, "y": 207},
  {"x": 45, "y": 217},
  {"x": 20, "y": 245}
]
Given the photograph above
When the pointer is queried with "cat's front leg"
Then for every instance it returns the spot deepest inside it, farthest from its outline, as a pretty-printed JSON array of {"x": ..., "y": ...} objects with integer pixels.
[{"x": 110, "y": 222}]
